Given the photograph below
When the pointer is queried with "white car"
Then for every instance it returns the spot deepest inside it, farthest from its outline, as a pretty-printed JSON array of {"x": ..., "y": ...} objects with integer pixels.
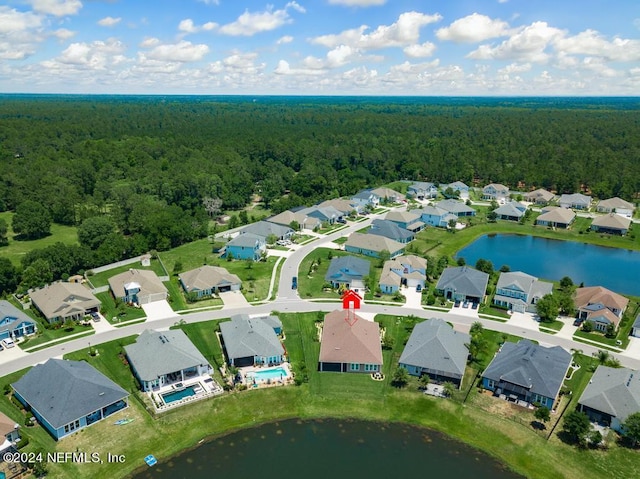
[{"x": 8, "y": 343}]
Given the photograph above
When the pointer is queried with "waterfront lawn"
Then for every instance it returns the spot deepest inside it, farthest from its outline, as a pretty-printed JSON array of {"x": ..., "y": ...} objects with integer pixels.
[
  {"x": 117, "y": 313},
  {"x": 102, "y": 278}
]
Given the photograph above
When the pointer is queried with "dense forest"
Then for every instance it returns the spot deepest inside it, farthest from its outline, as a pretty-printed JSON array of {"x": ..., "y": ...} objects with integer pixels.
[{"x": 148, "y": 166}]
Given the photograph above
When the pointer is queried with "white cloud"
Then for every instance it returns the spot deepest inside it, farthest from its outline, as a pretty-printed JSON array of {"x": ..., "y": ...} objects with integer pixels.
[
  {"x": 183, "y": 51},
  {"x": 405, "y": 31},
  {"x": 284, "y": 68},
  {"x": 58, "y": 8},
  {"x": 285, "y": 39},
  {"x": 528, "y": 44},
  {"x": 12, "y": 21},
  {"x": 187, "y": 26},
  {"x": 109, "y": 21},
  {"x": 248, "y": 24},
  {"x": 515, "y": 68},
  {"x": 149, "y": 42},
  {"x": 20, "y": 33},
  {"x": 358, "y": 3},
  {"x": 210, "y": 2},
  {"x": 473, "y": 28},
  {"x": 420, "y": 51},
  {"x": 591, "y": 42},
  {"x": 63, "y": 34},
  {"x": 97, "y": 55}
]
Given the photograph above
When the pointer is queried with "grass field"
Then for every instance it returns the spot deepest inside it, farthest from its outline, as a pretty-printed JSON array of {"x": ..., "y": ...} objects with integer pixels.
[{"x": 15, "y": 250}]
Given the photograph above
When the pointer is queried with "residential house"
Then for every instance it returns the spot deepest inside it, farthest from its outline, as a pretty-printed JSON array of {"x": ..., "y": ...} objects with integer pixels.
[
  {"x": 539, "y": 196},
  {"x": 15, "y": 323},
  {"x": 408, "y": 220},
  {"x": 59, "y": 302},
  {"x": 455, "y": 207},
  {"x": 616, "y": 205},
  {"x": 635, "y": 329},
  {"x": 555, "y": 217},
  {"x": 207, "y": 280},
  {"x": 246, "y": 246},
  {"x": 435, "y": 349},
  {"x": 159, "y": 358},
  {"x": 348, "y": 271},
  {"x": 495, "y": 191},
  {"x": 251, "y": 341},
  {"x": 611, "y": 223},
  {"x": 350, "y": 344},
  {"x": 364, "y": 199},
  {"x": 139, "y": 286},
  {"x": 66, "y": 396},
  {"x": 519, "y": 291},
  {"x": 527, "y": 372},
  {"x": 422, "y": 190},
  {"x": 387, "y": 195},
  {"x": 458, "y": 187},
  {"x": 463, "y": 283},
  {"x": 372, "y": 245},
  {"x": 612, "y": 395},
  {"x": 266, "y": 229},
  {"x": 600, "y": 306},
  {"x": 10, "y": 430},
  {"x": 576, "y": 201},
  {"x": 344, "y": 206},
  {"x": 390, "y": 230},
  {"x": 288, "y": 217},
  {"x": 435, "y": 216},
  {"x": 325, "y": 214},
  {"x": 409, "y": 271},
  {"x": 512, "y": 211}
]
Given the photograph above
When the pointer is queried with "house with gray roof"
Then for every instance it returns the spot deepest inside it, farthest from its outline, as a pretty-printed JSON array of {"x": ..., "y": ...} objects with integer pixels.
[
  {"x": 207, "y": 280},
  {"x": 409, "y": 220},
  {"x": 611, "y": 223},
  {"x": 390, "y": 230},
  {"x": 422, "y": 190},
  {"x": 325, "y": 214},
  {"x": 348, "y": 271},
  {"x": 576, "y": 201},
  {"x": 460, "y": 190},
  {"x": 67, "y": 396},
  {"x": 539, "y": 196},
  {"x": 556, "y": 217},
  {"x": 372, "y": 245},
  {"x": 159, "y": 358},
  {"x": 528, "y": 372},
  {"x": 512, "y": 211},
  {"x": 15, "y": 323},
  {"x": 365, "y": 198},
  {"x": 612, "y": 395},
  {"x": 635, "y": 329},
  {"x": 520, "y": 291},
  {"x": 266, "y": 229},
  {"x": 407, "y": 270},
  {"x": 250, "y": 341},
  {"x": 246, "y": 246},
  {"x": 456, "y": 207},
  {"x": 436, "y": 216},
  {"x": 434, "y": 348},
  {"x": 495, "y": 191},
  {"x": 463, "y": 283},
  {"x": 616, "y": 205},
  {"x": 61, "y": 301},
  {"x": 139, "y": 286}
]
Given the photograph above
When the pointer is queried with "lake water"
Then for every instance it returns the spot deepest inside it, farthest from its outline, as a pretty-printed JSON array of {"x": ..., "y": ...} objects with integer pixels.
[
  {"x": 613, "y": 268},
  {"x": 339, "y": 449}
]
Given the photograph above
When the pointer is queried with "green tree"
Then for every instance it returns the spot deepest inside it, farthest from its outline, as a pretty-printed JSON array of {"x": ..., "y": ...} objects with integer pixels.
[
  {"x": 492, "y": 216},
  {"x": 461, "y": 261},
  {"x": 388, "y": 342},
  {"x": 603, "y": 356},
  {"x": 547, "y": 308},
  {"x": 576, "y": 426},
  {"x": 566, "y": 283},
  {"x": 425, "y": 380},
  {"x": 271, "y": 239},
  {"x": 542, "y": 414},
  {"x": 452, "y": 225},
  {"x": 631, "y": 428},
  {"x": 449, "y": 389},
  {"x": 383, "y": 256},
  {"x": 476, "y": 328},
  {"x": 8, "y": 276},
  {"x": 505, "y": 268},
  {"x": 566, "y": 303},
  {"x": 400, "y": 377},
  {"x": 484, "y": 265},
  {"x": 4, "y": 229},
  {"x": 36, "y": 275},
  {"x": 95, "y": 230},
  {"x": 31, "y": 220},
  {"x": 594, "y": 437}
]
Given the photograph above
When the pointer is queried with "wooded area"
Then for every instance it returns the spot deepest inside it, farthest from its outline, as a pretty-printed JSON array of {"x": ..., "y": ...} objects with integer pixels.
[{"x": 156, "y": 168}]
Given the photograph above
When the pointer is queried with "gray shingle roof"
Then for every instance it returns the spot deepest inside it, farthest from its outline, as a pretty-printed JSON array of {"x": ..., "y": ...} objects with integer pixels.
[
  {"x": 636, "y": 323},
  {"x": 526, "y": 364},
  {"x": 373, "y": 243},
  {"x": 434, "y": 344},
  {"x": 345, "y": 268},
  {"x": 63, "y": 391},
  {"x": 156, "y": 353},
  {"x": 614, "y": 391},
  {"x": 266, "y": 228},
  {"x": 390, "y": 230},
  {"x": 455, "y": 207},
  {"x": 509, "y": 209},
  {"x": 8, "y": 310},
  {"x": 244, "y": 336},
  {"x": 464, "y": 280},
  {"x": 248, "y": 240}
]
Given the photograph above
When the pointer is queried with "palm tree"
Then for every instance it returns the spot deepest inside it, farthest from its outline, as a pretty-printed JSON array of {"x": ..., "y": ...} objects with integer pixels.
[
  {"x": 449, "y": 388},
  {"x": 424, "y": 380},
  {"x": 603, "y": 356}
]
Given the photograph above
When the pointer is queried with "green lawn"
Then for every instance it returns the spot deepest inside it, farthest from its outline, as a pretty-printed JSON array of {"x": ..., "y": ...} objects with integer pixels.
[
  {"x": 554, "y": 325},
  {"x": 15, "y": 250},
  {"x": 102, "y": 279},
  {"x": 123, "y": 312},
  {"x": 191, "y": 255}
]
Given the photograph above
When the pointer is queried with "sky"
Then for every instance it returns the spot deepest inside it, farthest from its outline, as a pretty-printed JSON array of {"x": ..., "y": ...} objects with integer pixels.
[{"x": 321, "y": 47}]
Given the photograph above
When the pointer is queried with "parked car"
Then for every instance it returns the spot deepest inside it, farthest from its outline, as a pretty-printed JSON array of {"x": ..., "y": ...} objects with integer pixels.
[
  {"x": 418, "y": 288},
  {"x": 465, "y": 304},
  {"x": 474, "y": 305},
  {"x": 8, "y": 343},
  {"x": 294, "y": 282},
  {"x": 1, "y": 348},
  {"x": 95, "y": 316},
  {"x": 457, "y": 303}
]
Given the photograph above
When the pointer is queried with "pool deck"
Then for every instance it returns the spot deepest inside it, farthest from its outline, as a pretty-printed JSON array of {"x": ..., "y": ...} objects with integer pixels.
[
  {"x": 248, "y": 380},
  {"x": 202, "y": 387}
]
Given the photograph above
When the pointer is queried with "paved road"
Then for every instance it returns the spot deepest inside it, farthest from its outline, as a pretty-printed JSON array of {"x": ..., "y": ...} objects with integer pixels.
[{"x": 288, "y": 300}]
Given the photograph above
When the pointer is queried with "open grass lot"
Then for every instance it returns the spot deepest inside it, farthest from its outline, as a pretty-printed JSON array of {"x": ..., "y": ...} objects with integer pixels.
[
  {"x": 324, "y": 395},
  {"x": 15, "y": 250},
  {"x": 102, "y": 278},
  {"x": 203, "y": 336}
]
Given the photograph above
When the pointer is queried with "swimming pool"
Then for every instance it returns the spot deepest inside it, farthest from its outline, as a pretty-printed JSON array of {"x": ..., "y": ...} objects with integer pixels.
[
  {"x": 275, "y": 373},
  {"x": 177, "y": 395}
]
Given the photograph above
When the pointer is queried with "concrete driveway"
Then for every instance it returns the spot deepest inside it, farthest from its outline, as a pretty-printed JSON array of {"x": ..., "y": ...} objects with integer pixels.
[
  {"x": 158, "y": 310},
  {"x": 413, "y": 298},
  {"x": 634, "y": 348},
  {"x": 234, "y": 299}
]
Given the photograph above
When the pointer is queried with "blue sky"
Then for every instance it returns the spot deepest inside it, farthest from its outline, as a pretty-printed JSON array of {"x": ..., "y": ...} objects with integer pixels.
[{"x": 321, "y": 47}]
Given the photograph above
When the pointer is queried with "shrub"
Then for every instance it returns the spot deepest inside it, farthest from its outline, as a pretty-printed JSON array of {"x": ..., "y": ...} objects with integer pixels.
[{"x": 24, "y": 441}]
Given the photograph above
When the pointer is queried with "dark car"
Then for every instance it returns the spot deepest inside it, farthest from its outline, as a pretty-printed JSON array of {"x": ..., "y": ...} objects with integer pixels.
[
  {"x": 95, "y": 317},
  {"x": 418, "y": 288},
  {"x": 457, "y": 303},
  {"x": 294, "y": 282},
  {"x": 474, "y": 305}
]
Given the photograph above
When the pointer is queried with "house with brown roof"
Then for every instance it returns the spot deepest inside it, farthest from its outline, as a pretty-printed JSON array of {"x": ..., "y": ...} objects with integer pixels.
[
  {"x": 346, "y": 207},
  {"x": 599, "y": 306},
  {"x": 350, "y": 344},
  {"x": 63, "y": 301},
  {"x": 616, "y": 205},
  {"x": 539, "y": 196},
  {"x": 286, "y": 218},
  {"x": 207, "y": 280},
  {"x": 611, "y": 223},
  {"x": 408, "y": 220},
  {"x": 139, "y": 286},
  {"x": 555, "y": 217},
  {"x": 372, "y": 245},
  {"x": 10, "y": 430},
  {"x": 387, "y": 195}
]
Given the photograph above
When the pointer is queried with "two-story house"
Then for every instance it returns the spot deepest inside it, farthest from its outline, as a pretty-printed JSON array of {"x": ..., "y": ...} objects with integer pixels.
[{"x": 519, "y": 291}]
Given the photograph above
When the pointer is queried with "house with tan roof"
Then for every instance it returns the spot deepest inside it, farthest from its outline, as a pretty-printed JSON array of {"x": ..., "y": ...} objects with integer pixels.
[
  {"x": 409, "y": 271},
  {"x": 346, "y": 207},
  {"x": 495, "y": 191},
  {"x": 207, "y": 280},
  {"x": 555, "y": 217},
  {"x": 616, "y": 205},
  {"x": 577, "y": 201},
  {"x": 286, "y": 218},
  {"x": 409, "y": 220},
  {"x": 349, "y": 344},
  {"x": 139, "y": 286},
  {"x": 10, "y": 430},
  {"x": 539, "y": 196},
  {"x": 611, "y": 223},
  {"x": 599, "y": 306},
  {"x": 372, "y": 245},
  {"x": 63, "y": 301},
  {"x": 387, "y": 195}
]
